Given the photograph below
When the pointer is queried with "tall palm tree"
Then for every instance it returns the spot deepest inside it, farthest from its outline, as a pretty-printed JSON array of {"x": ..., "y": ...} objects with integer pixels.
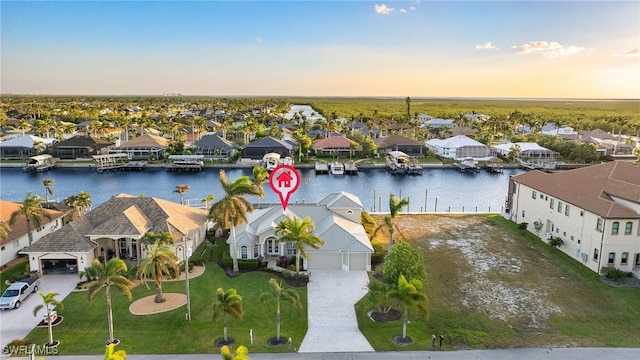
[
  {"x": 160, "y": 259},
  {"x": 32, "y": 210},
  {"x": 241, "y": 354},
  {"x": 279, "y": 294},
  {"x": 260, "y": 176},
  {"x": 232, "y": 209},
  {"x": 48, "y": 189},
  {"x": 181, "y": 190},
  {"x": 408, "y": 293},
  {"x": 107, "y": 275},
  {"x": 395, "y": 206},
  {"x": 49, "y": 301},
  {"x": 227, "y": 303},
  {"x": 299, "y": 232},
  {"x": 4, "y": 230},
  {"x": 208, "y": 201}
]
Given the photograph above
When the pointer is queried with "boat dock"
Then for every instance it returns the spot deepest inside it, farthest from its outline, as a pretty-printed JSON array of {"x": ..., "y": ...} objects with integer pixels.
[
  {"x": 350, "y": 168},
  {"x": 321, "y": 167},
  {"x": 494, "y": 168},
  {"x": 401, "y": 163},
  {"x": 185, "y": 163},
  {"x": 117, "y": 162},
  {"x": 40, "y": 163}
]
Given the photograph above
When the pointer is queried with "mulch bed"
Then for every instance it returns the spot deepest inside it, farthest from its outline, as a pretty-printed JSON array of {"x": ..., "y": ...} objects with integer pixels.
[
  {"x": 55, "y": 322},
  {"x": 293, "y": 281},
  {"x": 402, "y": 341},
  {"x": 221, "y": 342},
  {"x": 274, "y": 341},
  {"x": 391, "y": 315}
]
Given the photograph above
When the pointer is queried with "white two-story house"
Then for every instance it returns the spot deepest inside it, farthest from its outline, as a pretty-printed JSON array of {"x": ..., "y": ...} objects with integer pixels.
[{"x": 595, "y": 211}]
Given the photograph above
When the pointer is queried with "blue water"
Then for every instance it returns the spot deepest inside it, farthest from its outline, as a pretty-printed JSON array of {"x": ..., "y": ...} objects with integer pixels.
[{"x": 452, "y": 190}]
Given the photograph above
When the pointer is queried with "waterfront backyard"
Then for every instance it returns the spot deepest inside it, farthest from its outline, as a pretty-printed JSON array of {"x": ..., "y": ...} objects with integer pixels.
[{"x": 489, "y": 286}]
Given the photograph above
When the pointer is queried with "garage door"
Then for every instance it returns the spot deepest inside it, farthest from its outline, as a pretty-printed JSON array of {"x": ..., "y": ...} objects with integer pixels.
[
  {"x": 358, "y": 261},
  {"x": 323, "y": 260}
]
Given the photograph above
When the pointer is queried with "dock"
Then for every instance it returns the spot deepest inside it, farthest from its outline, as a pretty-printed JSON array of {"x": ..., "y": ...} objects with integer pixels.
[
  {"x": 494, "y": 168},
  {"x": 185, "y": 163},
  {"x": 40, "y": 163},
  {"x": 321, "y": 167},
  {"x": 466, "y": 168},
  {"x": 401, "y": 163},
  {"x": 350, "y": 168},
  {"x": 117, "y": 162}
]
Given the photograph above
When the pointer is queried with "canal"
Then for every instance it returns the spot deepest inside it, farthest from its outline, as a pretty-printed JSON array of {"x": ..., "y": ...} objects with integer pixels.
[{"x": 436, "y": 190}]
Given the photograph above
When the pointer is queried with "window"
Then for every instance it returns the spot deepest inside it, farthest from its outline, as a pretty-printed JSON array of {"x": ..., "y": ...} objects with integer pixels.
[
  {"x": 628, "y": 227},
  {"x": 522, "y": 213},
  {"x": 541, "y": 196},
  {"x": 551, "y": 204},
  {"x": 16, "y": 244},
  {"x": 624, "y": 258},
  {"x": 567, "y": 209},
  {"x": 255, "y": 251},
  {"x": 612, "y": 258},
  {"x": 559, "y": 206},
  {"x": 291, "y": 249},
  {"x": 534, "y": 194},
  {"x": 615, "y": 227},
  {"x": 595, "y": 254},
  {"x": 599, "y": 224},
  {"x": 243, "y": 252},
  {"x": 564, "y": 234},
  {"x": 270, "y": 246},
  {"x": 572, "y": 239}
]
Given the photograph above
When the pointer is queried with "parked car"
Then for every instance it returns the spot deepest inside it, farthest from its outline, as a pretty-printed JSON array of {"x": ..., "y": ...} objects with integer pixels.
[{"x": 17, "y": 292}]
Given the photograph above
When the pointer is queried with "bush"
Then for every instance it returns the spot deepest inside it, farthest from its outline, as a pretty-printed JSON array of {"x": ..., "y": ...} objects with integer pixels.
[
  {"x": 18, "y": 345},
  {"x": 556, "y": 242},
  {"x": 379, "y": 254},
  {"x": 614, "y": 274},
  {"x": 523, "y": 226}
]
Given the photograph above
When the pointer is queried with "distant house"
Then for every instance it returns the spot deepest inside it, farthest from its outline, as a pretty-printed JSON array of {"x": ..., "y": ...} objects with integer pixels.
[
  {"x": 116, "y": 229},
  {"x": 335, "y": 145},
  {"x": 259, "y": 148},
  {"x": 594, "y": 210},
  {"x": 215, "y": 147},
  {"x": 459, "y": 147},
  {"x": 437, "y": 123},
  {"x": 337, "y": 222},
  {"x": 81, "y": 147},
  {"x": 552, "y": 129},
  {"x": 529, "y": 152},
  {"x": 18, "y": 237},
  {"x": 143, "y": 147},
  {"x": 399, "y": 143},
  {"x": 23, "y": 147}
]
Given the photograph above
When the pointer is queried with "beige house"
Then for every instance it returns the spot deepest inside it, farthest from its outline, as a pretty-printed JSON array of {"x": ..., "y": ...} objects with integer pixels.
[
  {"x": 337, "y": 222},
  {"x": 116, "y": 228},
  {"x": 595, "y": 211}
]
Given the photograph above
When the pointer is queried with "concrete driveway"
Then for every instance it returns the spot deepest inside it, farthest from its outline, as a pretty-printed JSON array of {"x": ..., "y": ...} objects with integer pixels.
[
  {"x": 333, "y": 326},
  {"x": 16, "y": 324}
]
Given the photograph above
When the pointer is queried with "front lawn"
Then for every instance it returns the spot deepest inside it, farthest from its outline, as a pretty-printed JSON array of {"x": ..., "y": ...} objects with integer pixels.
[{"x": 84, "y": 329}]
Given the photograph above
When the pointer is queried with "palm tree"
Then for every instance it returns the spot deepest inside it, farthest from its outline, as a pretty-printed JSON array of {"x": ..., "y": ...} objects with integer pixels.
[
  {"x": 107, "y": 275},
  {"x": 241, "y": 354},
  {"x": 260, "y": 176},
  {"x": 278, "y": 293},
  {"x": 395, "y": 206},
  {"x": 228, "y": 303},
  {"x": 4, "y": 230},
  {"x": 299, "y": 232},
  {"x": 408, "y": 293},
  {"x": 232, "y": 209},
  {"x": 160, "y": 259},
  {"x": 32, "y": 211},
  {"x": 181, "y": 190},
  {"x": 207, "y": 201},
  {"x": 49, "y": 300},
  {"x": 48, "y": 190},
  {"x": 111, "y": 354}
]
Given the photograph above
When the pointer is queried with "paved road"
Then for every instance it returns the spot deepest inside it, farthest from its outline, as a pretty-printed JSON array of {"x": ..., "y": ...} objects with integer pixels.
[
  {"x": 18, "y": 323},
  {"x": 508, "y": 354}
]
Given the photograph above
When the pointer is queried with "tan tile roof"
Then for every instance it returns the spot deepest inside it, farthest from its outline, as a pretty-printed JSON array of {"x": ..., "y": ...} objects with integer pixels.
[
  {"x": 19, "y": 228},
  {"x": 124, "y": 215},
  {"x": 591, "y": 187},
  {"x": 332, "y": 142},
  {"x": 146, "y": 141},
  {"x": 393, "y": 140}
]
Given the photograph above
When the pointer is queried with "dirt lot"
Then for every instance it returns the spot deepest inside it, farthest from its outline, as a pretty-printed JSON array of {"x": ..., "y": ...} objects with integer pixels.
[{"x": 484, "y": 280}]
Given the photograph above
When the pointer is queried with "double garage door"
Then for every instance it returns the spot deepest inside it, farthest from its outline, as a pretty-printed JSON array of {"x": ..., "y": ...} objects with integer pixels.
[{"x": 330, "y": 260}]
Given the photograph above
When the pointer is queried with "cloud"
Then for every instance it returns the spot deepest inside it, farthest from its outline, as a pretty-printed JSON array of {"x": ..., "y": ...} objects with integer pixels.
[
  {"x": 258, "y": 39},
  {"x": 631, "y": 53},
  {"x": 486, "y": 46},
  {"x": 383, "y": 9},
  {"x": 547, "y": 49},
  {"x": 403, "y": 10}
]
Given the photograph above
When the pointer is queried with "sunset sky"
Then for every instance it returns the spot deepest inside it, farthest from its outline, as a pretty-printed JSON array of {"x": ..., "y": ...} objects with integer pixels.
[{"x": 505, "y": 49}]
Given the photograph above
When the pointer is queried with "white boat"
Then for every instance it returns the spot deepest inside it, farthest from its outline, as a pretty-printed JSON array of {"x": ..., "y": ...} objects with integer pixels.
[
  {"x": 400, "y": 163},
  {"x": 40, "y": 163},
  {"x": 271, "y": 161},
  {"x": 336, "y": 168}
]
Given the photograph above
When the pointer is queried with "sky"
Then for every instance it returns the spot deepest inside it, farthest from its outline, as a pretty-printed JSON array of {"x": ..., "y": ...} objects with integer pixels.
[{"x": 420, "y": 48}]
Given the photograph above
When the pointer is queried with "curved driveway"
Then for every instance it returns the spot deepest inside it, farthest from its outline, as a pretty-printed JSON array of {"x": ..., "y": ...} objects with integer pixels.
[{"x": 333, "y": 326}]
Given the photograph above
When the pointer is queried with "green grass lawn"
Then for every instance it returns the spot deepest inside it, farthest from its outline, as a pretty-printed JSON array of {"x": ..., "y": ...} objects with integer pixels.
[
  {"x": 84, "y": 329},
  {"x": 587, "y": 311}
]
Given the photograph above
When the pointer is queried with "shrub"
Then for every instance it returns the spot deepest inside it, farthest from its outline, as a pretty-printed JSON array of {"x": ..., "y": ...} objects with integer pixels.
[
  {"x": 556, "y": 242},
  {"x": 523, "y": 226},
  {"x": 377, "y": 257},
  {"x": 614, "y": 274}
]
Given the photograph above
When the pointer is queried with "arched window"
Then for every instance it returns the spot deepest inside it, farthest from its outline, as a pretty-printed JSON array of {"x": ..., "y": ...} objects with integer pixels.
[
  {"x": 612, "y": 258},
  {"x": 256, "y": 249},
  {"x": 615, "y": 228},
  {"x": 243, "y": 252},
  {"x": 624, "y": 258},
  {"x": 628, "y": 228}
]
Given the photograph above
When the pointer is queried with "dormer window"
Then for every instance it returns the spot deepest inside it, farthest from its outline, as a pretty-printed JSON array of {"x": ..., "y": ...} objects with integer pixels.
[{"x": 349, "y": 211}]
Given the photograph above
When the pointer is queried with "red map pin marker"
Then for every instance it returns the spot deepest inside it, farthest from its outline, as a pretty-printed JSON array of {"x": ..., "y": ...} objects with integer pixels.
[{"x": 284, "y": 181}]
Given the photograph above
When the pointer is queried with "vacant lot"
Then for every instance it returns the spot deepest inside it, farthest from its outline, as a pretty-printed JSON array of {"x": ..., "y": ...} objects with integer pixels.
[{"x": 489, "y": 285}]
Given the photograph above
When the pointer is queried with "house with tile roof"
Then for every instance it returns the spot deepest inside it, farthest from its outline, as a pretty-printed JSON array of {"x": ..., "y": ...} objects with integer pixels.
[
  {"x": 459, "y": 147},
  {"x": 339, "y": 145},
  {"x": 214, "y": 146},
  {"x": 143, "y": 147},
  {"x": 117, "y": 228},
  {"x": 18, "y": 237},
  {"x": 259, "y": 148},
  {"x": 595, "y": 210},
  {"x": 81, "y": 146},
  {"x": 337, "y": 223},
  {"x": 400, "y": 143},
  {"x": 23, "y": 147}
]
